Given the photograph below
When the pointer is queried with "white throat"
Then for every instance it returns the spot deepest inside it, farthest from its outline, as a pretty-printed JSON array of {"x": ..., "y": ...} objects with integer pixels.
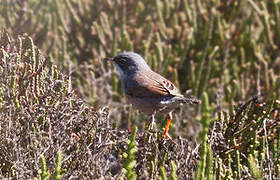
[{"x": 120, "y": 71}]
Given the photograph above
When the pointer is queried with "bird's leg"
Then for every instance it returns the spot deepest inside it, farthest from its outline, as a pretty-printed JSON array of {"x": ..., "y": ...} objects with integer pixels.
[
  {"x": 153, "y": 122},
  {"x": 149, "y": 127},
  {"x": 165, "y": 132}
]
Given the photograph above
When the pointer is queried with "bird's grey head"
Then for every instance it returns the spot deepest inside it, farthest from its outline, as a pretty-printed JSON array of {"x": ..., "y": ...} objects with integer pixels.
[{"x": 129, "y": 62}]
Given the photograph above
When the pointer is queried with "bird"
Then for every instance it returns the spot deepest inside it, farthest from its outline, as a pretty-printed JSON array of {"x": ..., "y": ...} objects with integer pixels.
[{"x": 146, "y": 90}]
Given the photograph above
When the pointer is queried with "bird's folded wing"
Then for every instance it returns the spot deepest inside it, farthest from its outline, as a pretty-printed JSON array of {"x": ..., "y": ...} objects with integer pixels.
[{"x": 150, "y": 85}]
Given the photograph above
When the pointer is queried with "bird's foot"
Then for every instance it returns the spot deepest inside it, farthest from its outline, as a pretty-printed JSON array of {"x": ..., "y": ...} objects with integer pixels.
[{"x": 166, "y": 136}]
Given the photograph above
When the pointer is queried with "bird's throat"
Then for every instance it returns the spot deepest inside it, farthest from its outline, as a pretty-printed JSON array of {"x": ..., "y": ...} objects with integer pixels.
[{"x": 120, "y": 71}]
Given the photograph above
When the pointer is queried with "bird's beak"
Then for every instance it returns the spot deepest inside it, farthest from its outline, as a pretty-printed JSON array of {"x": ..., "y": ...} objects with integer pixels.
[{"x": 108, "y": 59}]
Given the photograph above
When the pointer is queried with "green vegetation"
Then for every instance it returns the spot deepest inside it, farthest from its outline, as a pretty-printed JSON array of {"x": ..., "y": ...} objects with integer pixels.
[
  {"x": 43, "y": 172},
  {"x": 205, "y": 165},
  {"x": 129, "y": 157},
  {"x": 57, "y": 95}
]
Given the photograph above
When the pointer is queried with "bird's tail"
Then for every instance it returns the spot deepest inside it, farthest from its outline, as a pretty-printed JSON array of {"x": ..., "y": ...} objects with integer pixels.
[{"x": 191, "y": 101}]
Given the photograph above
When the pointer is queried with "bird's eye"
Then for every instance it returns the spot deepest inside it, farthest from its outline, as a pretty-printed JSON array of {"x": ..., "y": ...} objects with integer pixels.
[
  {"x": 121, "y": 61},
  {"x": 117, "y": 60}
]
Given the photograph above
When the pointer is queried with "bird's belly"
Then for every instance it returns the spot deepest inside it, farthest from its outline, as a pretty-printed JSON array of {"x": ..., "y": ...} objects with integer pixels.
[{"x": 152, "y": 105}]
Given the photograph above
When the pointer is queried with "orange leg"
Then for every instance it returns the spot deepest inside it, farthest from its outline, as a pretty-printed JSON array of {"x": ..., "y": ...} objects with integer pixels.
[{"x": 165, "y": 132}]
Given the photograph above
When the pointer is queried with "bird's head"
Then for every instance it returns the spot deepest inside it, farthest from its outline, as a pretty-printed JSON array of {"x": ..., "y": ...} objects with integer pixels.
[{"x": 128, "y": 63}]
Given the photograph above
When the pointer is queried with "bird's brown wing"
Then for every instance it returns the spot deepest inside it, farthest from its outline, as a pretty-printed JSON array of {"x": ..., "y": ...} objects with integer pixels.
[{"x": 151, "y": 85}]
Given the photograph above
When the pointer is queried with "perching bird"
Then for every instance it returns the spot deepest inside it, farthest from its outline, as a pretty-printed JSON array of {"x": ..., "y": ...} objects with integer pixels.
[{"x": 147, "y": 90}]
